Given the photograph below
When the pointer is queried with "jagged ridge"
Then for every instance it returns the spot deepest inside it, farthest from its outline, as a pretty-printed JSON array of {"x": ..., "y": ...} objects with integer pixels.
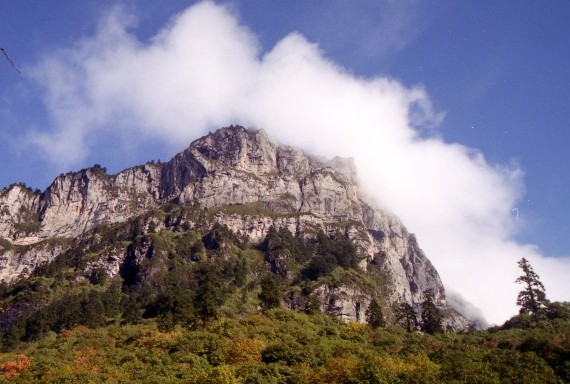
[{"x": 252, "y": 183}]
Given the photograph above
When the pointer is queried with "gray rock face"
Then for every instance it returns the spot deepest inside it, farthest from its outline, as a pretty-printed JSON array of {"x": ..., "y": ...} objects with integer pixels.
[
  {"x": 267, "y": 184},
  {"x": 346, "y": 303}
]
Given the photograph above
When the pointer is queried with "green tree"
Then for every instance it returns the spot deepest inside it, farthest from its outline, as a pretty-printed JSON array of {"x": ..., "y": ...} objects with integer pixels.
[
  {"x": 111, "y": 298},
  {"x": 320, "y": 265},
  {"x": 374, "y": 314},
  {"x": 532, "y": 299},
  {"x": 313, "y": 304},
  {"x": 40, "y": 323},
  {"x": 98, "y": 276},
  {"x": 558, "y": 310},
  {"x": 241, "y": 270},
  {"x": 209, "y": 293},
  {"x": 406, "y": 316},
  {"x": 235, "y": 270},
  {"x": 130, "y": 308},
  {"x": 93, "y": 310},
  {"x": 174, "y": 306},
  {"x": 219, "y": 237},
  {"x": 339, "y": 246},
  {"x": 270, "y": 294},
  {"x": 69, "y": 312},
  {"x": 431, "y": 316},
  {"x": 11, "y": 338}
]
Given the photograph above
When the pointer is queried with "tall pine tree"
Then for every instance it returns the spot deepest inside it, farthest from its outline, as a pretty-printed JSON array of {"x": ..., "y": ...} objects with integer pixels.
[
  {"x": 406, "y": 316},
  {"x": 532, "y": 299},
  {"x": 374, "y": 314},
  {"x": 431, "y": 315}
]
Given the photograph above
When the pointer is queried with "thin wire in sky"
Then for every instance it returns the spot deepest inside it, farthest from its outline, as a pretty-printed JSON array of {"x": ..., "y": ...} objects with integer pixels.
[{"x": 9, "y": 60}]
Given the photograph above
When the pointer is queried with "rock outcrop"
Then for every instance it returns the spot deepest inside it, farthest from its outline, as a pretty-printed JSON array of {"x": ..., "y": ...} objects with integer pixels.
[{"x": 252, "y": 183}]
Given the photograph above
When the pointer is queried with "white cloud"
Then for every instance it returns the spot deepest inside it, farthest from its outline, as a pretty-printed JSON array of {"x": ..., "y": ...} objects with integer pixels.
[{"x": 205, "y": 70}]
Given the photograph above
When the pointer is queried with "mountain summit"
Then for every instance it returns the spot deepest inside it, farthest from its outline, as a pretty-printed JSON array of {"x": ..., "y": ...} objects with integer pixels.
[{"x": 238, "y": 184}]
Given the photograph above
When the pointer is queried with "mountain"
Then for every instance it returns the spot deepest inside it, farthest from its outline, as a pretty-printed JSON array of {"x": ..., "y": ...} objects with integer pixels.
[{"x": 232, "y": 190}]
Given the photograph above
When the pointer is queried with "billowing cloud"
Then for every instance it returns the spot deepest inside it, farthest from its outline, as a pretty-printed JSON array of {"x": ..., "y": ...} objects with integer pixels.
[{"x": 204, "y": 70}]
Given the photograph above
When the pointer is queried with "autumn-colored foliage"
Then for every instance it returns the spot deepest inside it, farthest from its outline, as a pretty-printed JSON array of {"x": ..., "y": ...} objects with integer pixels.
[
  {"x": 280, "y": 346},
  {"x": 245, "y": 350},
  {"x": 83, "y": 361},
  {"x": 14, "y": 367}
]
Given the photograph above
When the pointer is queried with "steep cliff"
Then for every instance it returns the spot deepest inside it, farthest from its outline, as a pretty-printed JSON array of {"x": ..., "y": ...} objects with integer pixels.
[{"x": 242, "y": 180}]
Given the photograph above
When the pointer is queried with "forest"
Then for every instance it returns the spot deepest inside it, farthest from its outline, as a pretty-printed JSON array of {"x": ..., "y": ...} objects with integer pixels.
[{"x": 209, "y": 307}]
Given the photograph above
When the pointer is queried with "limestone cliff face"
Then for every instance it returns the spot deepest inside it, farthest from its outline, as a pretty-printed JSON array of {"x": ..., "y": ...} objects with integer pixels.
[
  {"x": 77, "y": 202},
  {"x": 18, "y": 212},
  {"x": 253, "y": 183}
]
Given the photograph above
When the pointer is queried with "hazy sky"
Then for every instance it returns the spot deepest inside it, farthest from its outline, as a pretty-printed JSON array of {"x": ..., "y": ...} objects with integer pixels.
[{"x": 457, "y": 113}]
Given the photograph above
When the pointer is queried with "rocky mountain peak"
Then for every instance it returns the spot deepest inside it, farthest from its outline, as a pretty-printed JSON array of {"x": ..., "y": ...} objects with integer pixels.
[
  {"x": 235, "y": 148},
  {"x": 248, "y": 184}
]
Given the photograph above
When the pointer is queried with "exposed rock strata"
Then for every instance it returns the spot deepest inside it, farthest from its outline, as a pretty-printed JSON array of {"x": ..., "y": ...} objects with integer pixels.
[{"x": 267, "y": 184}]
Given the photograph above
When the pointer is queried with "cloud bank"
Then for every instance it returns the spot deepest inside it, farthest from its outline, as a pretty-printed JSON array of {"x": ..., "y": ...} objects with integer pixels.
[{"x": 205, "y": 70}]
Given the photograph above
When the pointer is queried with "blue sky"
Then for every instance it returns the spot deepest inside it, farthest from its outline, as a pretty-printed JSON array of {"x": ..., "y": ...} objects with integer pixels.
[{"x": 495, "y": 76}]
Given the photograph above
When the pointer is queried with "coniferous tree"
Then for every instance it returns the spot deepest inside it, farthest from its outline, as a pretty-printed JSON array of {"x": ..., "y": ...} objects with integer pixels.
[
  {"x": 209, "y": 295},
  {"x": 532, "y": 299},
  {"x": 69, "y": 312},
  {"x": 174, "y": 306},
  {"x": 374, "y": 315},
  {"x": 239, "y": 272},
  {"x": 111, "y": 298},
  {"x": 270, "y": 294},
  {"x": 431, "y": 316},
  {"x": 11, "y": 338},
  {"x": 406, "y": 316},
  {"x": 130, "y": 309},
  {"x": 92, "y": 310},
  {"x": 40, "y": 323}
]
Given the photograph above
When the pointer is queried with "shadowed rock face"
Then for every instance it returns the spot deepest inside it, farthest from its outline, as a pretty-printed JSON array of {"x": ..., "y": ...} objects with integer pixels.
[{"x": 281, "y": 186}]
